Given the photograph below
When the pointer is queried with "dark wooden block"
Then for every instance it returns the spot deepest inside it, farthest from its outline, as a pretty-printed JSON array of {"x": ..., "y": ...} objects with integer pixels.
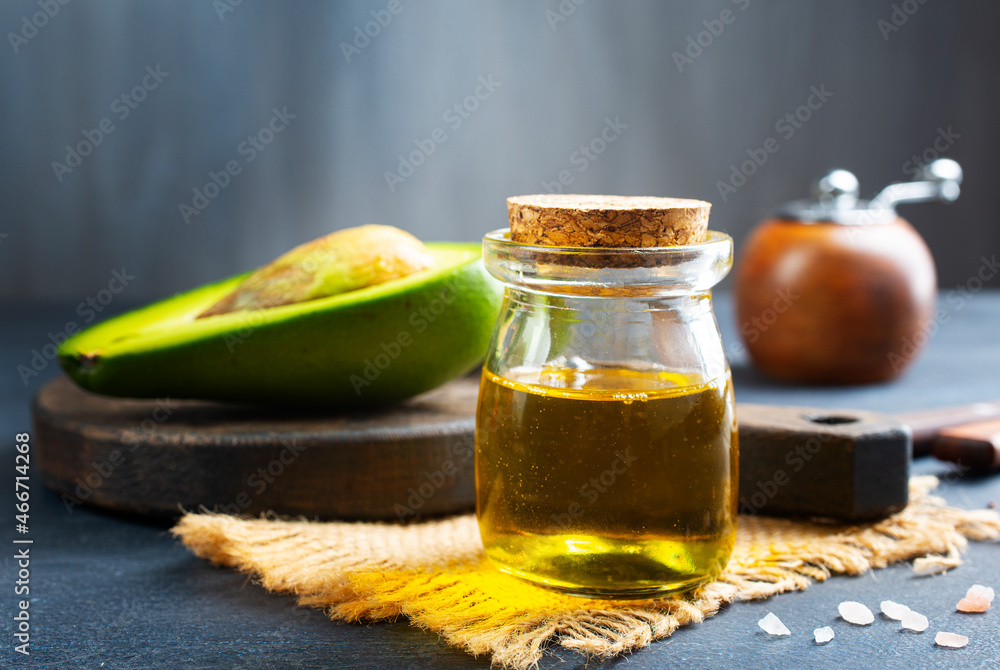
[{"x": 844, "y": 465}]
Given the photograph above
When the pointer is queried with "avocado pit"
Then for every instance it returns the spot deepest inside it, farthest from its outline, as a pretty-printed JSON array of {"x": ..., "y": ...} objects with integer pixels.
[{"x": 343, "y": 261}]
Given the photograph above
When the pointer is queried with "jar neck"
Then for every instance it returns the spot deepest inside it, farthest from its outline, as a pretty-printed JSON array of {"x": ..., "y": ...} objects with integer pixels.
[
  {"x": 631, "y": 273},
  {"x": 691, "y": 304}
]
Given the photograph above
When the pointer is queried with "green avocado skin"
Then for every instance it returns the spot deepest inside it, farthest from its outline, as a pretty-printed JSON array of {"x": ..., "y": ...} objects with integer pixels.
[{"x": 359, "y": 354}]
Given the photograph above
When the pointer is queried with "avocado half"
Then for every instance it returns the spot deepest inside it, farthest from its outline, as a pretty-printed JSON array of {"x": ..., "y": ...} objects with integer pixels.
[{"x": 368, "y": 347}]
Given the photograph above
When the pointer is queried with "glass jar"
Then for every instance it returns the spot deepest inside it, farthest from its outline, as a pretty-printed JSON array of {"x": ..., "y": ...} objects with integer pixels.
[{"x": 606, "y": 446}]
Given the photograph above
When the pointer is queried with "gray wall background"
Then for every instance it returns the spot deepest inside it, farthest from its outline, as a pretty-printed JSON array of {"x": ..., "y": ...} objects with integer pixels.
[{"x": 558, "y": 82}]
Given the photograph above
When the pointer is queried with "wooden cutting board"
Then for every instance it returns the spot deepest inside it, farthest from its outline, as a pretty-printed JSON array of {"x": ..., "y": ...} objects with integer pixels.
[
  {"x": 155, "y": 458},
  {"x": 409, "y": 461}
]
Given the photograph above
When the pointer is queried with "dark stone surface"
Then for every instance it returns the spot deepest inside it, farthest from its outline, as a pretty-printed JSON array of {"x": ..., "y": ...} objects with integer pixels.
[{"x": 122, "y": 594}]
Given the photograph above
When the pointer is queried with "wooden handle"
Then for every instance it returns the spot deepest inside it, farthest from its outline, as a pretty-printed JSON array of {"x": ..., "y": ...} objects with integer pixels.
[
  {"x": 926, "y": 424},
  {"x": 975, "y": 446}
]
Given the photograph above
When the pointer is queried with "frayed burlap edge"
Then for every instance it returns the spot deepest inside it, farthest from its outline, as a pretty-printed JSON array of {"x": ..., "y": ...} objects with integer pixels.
[{"x": 435, "y": 574}]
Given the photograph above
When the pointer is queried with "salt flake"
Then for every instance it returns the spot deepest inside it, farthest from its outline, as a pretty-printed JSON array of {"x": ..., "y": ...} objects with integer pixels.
[
  {"x": 855, "y": 613},
  {"x": 823, "y": 635},
  {"x": 893, "y": 610},
  {"x": 985, "y": 591},
  {"x": 973, "y": 602},
  {"x": 915, "y": 621},
  {"x": 953, "y": 640},
  {"x": 773, "y": 626}
]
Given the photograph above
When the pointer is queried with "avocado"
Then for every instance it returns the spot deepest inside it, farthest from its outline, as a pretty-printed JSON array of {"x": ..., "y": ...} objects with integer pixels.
[{"x": 368, "y": 346}]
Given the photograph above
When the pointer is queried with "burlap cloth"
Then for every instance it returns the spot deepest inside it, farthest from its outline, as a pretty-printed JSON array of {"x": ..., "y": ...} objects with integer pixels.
[{"x": 436, "y": 575}]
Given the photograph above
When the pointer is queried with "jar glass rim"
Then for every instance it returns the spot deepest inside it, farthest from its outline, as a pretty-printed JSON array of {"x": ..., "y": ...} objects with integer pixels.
[{"x": 609, "y": 271}]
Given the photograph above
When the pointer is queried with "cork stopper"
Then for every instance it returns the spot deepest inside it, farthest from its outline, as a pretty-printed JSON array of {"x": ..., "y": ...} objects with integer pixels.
[{"x": 568, "y": 220}]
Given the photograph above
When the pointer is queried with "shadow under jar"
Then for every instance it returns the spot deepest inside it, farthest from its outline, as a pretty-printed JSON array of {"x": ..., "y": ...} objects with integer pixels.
[{"x": 606, "y": 444}]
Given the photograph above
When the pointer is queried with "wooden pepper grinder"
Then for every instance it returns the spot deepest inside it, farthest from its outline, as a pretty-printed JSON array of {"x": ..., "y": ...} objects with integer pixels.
[{"x": 839, "y": 290}]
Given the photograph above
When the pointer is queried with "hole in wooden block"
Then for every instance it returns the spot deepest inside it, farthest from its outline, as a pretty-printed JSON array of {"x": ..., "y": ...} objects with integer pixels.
[{"x": 832, "y": 420}]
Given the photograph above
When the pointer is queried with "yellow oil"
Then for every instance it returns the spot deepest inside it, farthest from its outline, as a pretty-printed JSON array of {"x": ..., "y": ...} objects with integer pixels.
[{"x": 607, "y": 482}]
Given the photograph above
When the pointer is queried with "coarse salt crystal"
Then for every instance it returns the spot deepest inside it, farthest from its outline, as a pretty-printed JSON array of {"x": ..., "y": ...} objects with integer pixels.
[
  {"x": 823, "y": 635},
  {"x": 953, "y": 640},
  {"x": 855, "y": 613},
  {"x": 973, "y": 602},
  {"x": 985, "y": 591},
  {"x": 893, "y": 610},
  {"x": 773, "y": 626},
  {"x": 915, "y": 621}
]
